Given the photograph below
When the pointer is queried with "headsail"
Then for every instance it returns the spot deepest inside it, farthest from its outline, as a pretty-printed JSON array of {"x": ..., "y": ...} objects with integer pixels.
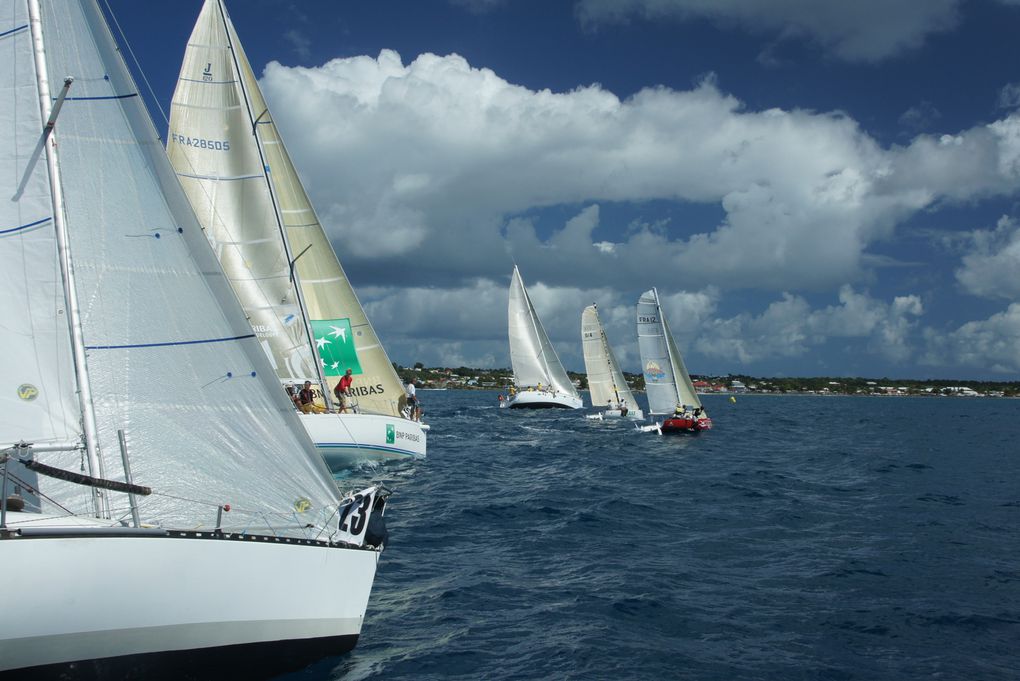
[
  {"x": 532, "y": 355},
  {"x": 171, "y": 357},
  {"x": 236, "y": 171},
  {"x": 666, "y": 379},
  {"x": 605, "y": 379}
]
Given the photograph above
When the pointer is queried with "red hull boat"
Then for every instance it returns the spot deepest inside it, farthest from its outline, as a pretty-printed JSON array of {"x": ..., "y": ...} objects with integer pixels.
[{"x": 684, "y": 424}]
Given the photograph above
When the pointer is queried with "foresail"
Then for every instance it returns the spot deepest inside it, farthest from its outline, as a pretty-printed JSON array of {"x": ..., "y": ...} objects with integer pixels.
[
  {"x": 660, "y": 384},
  {"x": 38, "y": 401},
  {"x": 533, "y": 357},
  {"x": 172, "y": 358},
  {"x": 684, "y": 386},
  {"x": 212, "y": 146},
  {"x": 343, "y": 334}
]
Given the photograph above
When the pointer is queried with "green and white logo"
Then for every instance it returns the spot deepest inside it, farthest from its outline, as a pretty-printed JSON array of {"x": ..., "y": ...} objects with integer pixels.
[
  {"x": 391, "y": 434},
  {"x": 334, "y": 340}
]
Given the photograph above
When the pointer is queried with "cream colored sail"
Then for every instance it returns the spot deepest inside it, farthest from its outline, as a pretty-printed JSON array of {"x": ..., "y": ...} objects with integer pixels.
[
  {"x": 606, "y": 383},
  {"x": 218, "y": 104}
]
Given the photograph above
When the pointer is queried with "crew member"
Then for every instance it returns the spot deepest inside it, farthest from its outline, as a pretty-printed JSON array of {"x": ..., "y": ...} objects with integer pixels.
[
  {"x": 307, "y": 399},
  {"x": 343, "y": 390}
]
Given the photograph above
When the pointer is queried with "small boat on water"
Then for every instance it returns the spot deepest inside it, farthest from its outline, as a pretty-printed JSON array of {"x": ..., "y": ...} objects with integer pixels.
[
  {"x": 540, "y": 379},
  {"x": 670, "y": 391},
  {"x": 163, "y": 514},
  {"x": 235, "y": 170},
  {"x": 605, "y": 379}
]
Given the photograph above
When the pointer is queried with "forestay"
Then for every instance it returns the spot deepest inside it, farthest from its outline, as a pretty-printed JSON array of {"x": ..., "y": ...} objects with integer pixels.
[
  {"x": 38, "y": 401},
  {"x": 217, "y": 87},
  {"x": 171, "y": 357},
  {"x": 667, "y": 382},
  {"x": 532, "y": 355},
  {"x": 605, "y": 379}
]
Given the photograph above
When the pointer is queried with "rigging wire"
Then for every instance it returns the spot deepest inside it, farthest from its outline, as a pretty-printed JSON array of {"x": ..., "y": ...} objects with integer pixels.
[{"x": 138, "y": 65}]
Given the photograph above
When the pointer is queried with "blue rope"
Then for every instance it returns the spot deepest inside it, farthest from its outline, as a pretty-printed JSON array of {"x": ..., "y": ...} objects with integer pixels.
[{"x": 14, "y": 30}]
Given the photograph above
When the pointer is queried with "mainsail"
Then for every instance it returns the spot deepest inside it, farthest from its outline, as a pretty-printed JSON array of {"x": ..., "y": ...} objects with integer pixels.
[
  {"x": 605, "y": 379},
  {"x": 38, "y": 392},
  {"x": 532, "y": 355},
  {"x": 236, "y": 171},
  {"x": 171, "y": 358},
  {"x": 666, "y": 379}
]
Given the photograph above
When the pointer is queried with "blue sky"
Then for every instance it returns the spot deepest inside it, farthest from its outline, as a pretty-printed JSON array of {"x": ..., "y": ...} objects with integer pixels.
[{"x": 815, "y": 187}]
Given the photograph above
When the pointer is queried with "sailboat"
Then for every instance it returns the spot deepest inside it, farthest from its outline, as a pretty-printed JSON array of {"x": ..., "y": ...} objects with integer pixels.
[
  {"x": 162, "y": 511},
  {"x": 540, "y": 380},
  {"x": 669, "y": 387},
  {"x": 605, "y": 379},
  {"x": 237, "y": 174}
]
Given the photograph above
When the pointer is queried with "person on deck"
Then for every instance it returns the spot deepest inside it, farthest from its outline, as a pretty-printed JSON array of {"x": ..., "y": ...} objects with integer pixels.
[
  {"x": 294, "y": 394},
  {"x": 307, "y": 399},
  {"x": 342, "y": 391},
  {"x": 412, "y": 400}
]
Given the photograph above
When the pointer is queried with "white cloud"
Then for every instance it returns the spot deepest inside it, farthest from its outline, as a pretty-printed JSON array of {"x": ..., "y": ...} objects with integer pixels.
[
  {"x": 1009, "y": 95},
  {"x": 790, "y": 328},
  {"x": 866, "y": 30},
  {"x": 992, "y": 268},
  {"x": 440, "y": 167},
  {"x": 991, "y": 344}
]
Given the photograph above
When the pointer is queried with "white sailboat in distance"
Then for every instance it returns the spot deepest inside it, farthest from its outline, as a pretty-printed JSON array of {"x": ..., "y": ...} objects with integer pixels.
[
  {"x": 540, "y": 379},
  {"x": 163, "y": 514},
  {"x": 667, "y": 383},
  {"x": 606, "y": 383},
  {"x": 236, "y": 172}
]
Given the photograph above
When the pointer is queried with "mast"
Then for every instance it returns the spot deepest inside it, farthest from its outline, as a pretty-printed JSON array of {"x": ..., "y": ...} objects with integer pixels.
[
  {"x": 93, "y": 455},
  {"x": 309, "y": 334}
]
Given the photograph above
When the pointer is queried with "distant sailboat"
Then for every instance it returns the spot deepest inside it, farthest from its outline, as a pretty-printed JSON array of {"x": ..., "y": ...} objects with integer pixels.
[
  {"x": 162, "y": 511},
  {"x": 238, "y": 176},
  {"x": 605, "y": 379},
  {"x": 667, "y": 383},
  {"x": 540, "y": 379}
]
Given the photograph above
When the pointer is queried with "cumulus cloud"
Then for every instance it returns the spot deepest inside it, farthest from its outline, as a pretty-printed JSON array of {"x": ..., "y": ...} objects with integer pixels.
[
  {"x": 440, "y": 172},
  {"x": 991, "y": 344},
  {"x": 867, "y": 30},
  {"x": 790, "y": 328},
  {"x": 991, "y": 268}
]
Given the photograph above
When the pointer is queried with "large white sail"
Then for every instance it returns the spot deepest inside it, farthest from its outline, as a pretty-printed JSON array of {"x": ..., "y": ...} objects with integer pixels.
[
  {"x": 532, "y": 355},
  {"x": 171, "y": 357},
  {"x": 38, "y": 392},
  {"x": 236, "y": 170},
  {"x": 605, "y": 379},
  {"x": 667, "y": 382}
]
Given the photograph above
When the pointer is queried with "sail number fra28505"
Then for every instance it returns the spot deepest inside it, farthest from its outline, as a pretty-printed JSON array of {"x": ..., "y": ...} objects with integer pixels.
[{"x": 200, "y": 143}]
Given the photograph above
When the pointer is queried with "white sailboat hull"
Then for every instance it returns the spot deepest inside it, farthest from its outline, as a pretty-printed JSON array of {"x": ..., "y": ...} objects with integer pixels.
[
  {"x": 347, "y": 439},
  {"x": 533, "y": 399},
  {"x": 631, "y": 414},
  {"x": 110, "y": 601}
]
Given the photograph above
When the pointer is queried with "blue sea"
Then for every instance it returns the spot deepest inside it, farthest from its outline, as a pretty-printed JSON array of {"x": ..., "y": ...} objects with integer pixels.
[{"x": 805, "y": 537}]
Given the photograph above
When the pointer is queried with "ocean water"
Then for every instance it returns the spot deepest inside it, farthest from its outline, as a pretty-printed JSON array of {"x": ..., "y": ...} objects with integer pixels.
[{"x": 803, "y": 538}]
